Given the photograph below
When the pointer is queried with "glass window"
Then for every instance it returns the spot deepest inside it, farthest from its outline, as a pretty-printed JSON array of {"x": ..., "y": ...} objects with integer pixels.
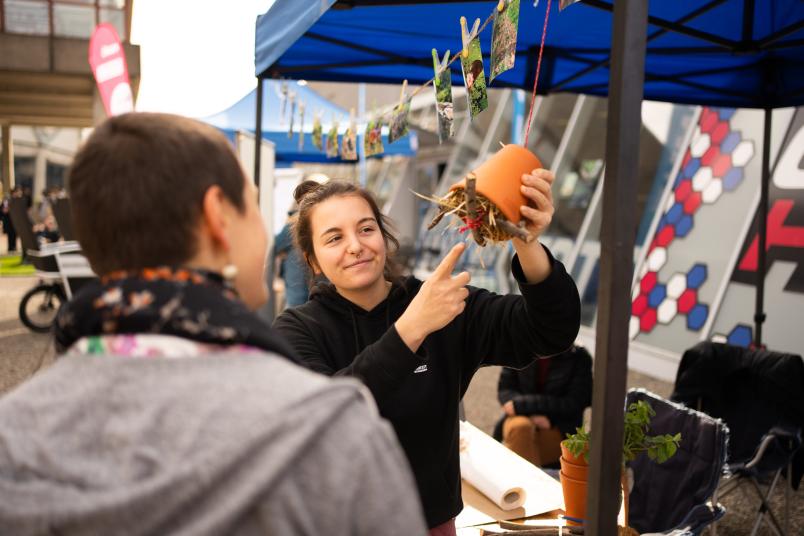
[
  {"x": 548, "y": 126},
  {"x": 119, "y": 4},
  {"x": 26, "y": 17},
  {"x": 73, "y": 20},
  {"x": 116, "y": 18},
  {"x": 55, "y": 175}
]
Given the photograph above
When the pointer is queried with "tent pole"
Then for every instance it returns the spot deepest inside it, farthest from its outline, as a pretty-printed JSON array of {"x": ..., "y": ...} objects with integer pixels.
[
  {"x": 759, "y": 312},
  {"x": 617, "y": 234},
  {"x": 258, "y": 135}
]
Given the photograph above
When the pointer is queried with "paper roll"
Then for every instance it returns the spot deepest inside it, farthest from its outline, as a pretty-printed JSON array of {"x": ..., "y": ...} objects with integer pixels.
[{"x": 497, "y": 478}]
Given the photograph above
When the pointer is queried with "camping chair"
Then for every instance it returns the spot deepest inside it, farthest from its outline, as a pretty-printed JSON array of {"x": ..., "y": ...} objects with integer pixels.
[
  {"x": 678, "y": 496},
  {"x": 61, "y": 211},
  {"x": 760, "y": 395}
]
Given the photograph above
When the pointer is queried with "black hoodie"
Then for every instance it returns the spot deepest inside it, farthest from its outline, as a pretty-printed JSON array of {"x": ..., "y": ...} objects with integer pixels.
[{"x": 420, "y": 392}]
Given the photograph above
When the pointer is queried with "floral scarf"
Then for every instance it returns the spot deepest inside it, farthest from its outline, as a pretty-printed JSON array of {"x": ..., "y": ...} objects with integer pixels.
[{"x": 190, "y": 304}]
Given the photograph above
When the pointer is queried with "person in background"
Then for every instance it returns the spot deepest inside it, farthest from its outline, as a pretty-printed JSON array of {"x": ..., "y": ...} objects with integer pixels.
[
  {"x": 543, "y": 403},
  {"x": 292, "y": 268},
  {"x": 416, "y": 345},
  {"x": 172, "y": 408},
  {"x": 8, "y": 225}
]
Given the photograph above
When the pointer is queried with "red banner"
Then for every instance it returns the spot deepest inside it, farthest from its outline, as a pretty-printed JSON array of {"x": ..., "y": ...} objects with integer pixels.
[{"x": 108, "y": 64}]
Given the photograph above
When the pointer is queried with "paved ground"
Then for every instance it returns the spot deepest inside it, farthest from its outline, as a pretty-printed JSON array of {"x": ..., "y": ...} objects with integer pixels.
[{"x": 23, "y": 353}]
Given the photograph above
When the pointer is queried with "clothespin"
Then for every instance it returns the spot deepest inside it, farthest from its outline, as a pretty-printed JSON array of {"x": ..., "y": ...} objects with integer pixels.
[
  {"x": 439, "y": 66},
  {"x": 501, "y": 5},
  {"x": 467, "y": 36}
]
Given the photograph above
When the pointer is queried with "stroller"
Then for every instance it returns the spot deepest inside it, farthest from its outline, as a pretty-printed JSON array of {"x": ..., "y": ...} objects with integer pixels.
[{"x": 60, "y": 267}]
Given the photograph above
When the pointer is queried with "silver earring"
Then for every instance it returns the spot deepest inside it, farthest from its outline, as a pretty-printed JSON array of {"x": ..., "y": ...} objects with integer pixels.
[{"x": 229, "y": 272}]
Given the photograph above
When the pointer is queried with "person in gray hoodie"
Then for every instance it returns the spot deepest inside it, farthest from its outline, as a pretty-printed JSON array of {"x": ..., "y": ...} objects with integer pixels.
[{"x": 173, "y": 408}]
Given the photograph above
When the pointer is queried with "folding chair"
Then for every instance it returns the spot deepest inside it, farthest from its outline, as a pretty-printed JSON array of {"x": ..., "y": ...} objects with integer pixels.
[
  {"x": 678, "y": 496},
  {"x": 760, "y": 395}
]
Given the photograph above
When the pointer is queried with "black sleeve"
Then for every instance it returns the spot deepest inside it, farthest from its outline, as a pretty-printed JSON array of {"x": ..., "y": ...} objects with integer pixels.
[
  {"x": 381, "y": 366},
  {"x": 568, "y": 404},
  {"x": 508, "y": 387},
  {"x": 512, "y": 330}
]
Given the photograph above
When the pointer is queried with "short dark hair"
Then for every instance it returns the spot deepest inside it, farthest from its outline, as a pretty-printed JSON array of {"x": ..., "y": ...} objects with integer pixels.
[
  {"x": 310, "y": 193},
  {"x": 137, "y": 187}
]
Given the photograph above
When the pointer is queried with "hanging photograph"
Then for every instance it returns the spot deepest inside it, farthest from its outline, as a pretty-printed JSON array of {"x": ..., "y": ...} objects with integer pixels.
[
  {"x": 283, "y": 100},
  {"x": 399, "y": 121},
  {"x": 349, "y": 144},
  {"x": 301, "y": 126},
  {"x": 503, "y": 40},
  {"x": 474, "y": 77},
  {"x": 292, "y": 114},
  {"x": 332, "y": 141},
  {"x": 318, "y": 134},
  {"x": 373, "y": 138},
  {"x": 442, "y": 83}
]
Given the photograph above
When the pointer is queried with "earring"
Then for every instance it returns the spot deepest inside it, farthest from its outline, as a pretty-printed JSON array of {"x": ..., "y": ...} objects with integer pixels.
[{"x": 229, "y": 272}]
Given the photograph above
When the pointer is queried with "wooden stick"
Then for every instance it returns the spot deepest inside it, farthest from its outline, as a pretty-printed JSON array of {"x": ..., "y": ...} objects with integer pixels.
[
  {"x": 471, "y": 209},
  {"x": 514, "y": 230},
  {"x": 436, "y": 220}
]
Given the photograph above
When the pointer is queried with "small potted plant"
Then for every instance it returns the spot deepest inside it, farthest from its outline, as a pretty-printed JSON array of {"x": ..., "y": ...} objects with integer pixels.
[{"x": 575, "y": 456}]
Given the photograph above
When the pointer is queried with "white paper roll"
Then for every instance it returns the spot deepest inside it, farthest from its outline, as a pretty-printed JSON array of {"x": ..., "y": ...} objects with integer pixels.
[{"x": 494, "y": 476}]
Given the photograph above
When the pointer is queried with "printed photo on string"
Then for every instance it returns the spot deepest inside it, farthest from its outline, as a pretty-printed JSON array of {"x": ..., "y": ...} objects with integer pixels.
[
  {"x": 301, "y": 127},
  {"x": 349, "y": 144},
  {"x": 442, "y": 84},
  {"x": 503, "y": 40},
  {"x": 372, "y": 143},
  {"x": 332, "y": 141},
  {"x": 474, "y": 78},
  {"x": 318, "y": 134},
  {"x": 292, "y": 115},
  {"x": 399, "y": 121}
]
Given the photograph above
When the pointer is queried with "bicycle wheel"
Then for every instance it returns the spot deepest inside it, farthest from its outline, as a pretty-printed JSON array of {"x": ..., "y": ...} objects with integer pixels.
[{"x": 39, "y": 307}]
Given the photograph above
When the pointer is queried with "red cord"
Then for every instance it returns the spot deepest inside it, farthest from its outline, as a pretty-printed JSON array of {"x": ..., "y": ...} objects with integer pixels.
[
  {"x": 472, "y": 223},
  {"x": 538, "y": 68}
]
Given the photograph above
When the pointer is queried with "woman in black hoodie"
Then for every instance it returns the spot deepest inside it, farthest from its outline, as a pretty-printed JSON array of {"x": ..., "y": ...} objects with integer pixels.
[{"x": 417, "y": 344}]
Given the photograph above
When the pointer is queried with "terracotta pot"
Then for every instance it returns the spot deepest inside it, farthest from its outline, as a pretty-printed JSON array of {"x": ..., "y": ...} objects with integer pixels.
[
  {"x": 574, "y": 497},
  {"x": 568, "y": 456},
  {"x": 500, "y": 177},
  {"x": 574, "y": 470}
]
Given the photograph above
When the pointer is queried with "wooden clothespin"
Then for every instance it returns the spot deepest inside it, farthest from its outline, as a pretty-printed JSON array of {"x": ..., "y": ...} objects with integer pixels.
[
  {"x": 439, "y": 66},
  {"x": 501, "y": 5},
  {"x": 467, "y": 36}
]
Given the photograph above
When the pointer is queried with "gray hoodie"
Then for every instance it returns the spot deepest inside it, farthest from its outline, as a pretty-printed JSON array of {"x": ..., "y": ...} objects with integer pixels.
[{"x": 235, "y": 444}]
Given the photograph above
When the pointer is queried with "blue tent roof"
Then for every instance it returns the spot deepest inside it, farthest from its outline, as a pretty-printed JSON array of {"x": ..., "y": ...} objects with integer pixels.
[
  {"x": 240, "y": 116},
  {"x": 713, "y": 52}
]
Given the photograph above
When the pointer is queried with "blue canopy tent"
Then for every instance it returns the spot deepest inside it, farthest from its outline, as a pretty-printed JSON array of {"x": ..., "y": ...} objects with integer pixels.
[
  {"x": 720, "y": 52},
  {"x": 739, "y": 53},
  {"x": 240, "y": 116}
]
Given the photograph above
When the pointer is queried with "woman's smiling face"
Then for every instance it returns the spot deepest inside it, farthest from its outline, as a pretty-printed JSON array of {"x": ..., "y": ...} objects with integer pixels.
[{"x": 348, "y": 244}]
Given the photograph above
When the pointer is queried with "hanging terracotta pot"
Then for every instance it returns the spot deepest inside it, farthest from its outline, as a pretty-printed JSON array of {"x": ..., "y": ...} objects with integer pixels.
[{"x": 499, "y": 179}]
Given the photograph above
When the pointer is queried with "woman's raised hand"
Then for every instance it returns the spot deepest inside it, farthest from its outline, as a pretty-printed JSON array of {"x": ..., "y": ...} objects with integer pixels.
[
  {"x": 536, "y": 187},
  {"x": 440, "y": 299}
]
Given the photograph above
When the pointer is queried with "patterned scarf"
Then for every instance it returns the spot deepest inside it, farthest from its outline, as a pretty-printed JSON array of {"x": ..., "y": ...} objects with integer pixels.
[{"x": 191, "y": 304}]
